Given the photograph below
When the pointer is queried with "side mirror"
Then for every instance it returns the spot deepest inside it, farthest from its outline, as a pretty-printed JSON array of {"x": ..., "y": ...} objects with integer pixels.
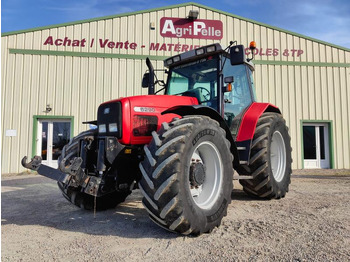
[
  {"x": 145, "y": 80},
  {"x": 228, "y": 80},
  {"x": 237, "y": 55}
]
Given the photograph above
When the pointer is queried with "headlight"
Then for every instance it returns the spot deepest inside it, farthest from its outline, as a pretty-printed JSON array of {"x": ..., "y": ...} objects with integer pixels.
[
  {"x": 102, "y": 128},
  {"x": 211, "y": 48},
  {"x": 200, "y": 51},
  {"x": 169, "y": 62},
  {"x": 176, "y": 59},
  {"x": 113, "y": 127}
]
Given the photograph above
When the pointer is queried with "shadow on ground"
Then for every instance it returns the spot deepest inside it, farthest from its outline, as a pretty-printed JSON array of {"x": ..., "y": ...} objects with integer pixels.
[{"x": 36, "y": 200}]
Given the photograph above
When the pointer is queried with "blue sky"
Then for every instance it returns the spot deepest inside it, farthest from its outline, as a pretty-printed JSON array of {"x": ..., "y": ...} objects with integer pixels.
[{"x": 327, "y": 20}]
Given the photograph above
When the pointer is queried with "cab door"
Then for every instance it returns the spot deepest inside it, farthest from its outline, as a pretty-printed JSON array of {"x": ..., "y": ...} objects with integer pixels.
[{"x": 241, "y": 95}]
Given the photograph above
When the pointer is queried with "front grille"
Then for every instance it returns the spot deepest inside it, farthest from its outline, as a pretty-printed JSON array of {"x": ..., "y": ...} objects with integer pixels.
[{"x": 110, "y": 113}]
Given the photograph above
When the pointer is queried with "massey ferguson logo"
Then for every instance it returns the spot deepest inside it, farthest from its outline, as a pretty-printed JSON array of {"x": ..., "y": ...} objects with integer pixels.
[{"x": 186, "y": 28}]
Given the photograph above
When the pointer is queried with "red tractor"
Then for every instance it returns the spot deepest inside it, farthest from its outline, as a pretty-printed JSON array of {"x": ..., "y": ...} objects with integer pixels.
[{"x": 181, "y": 148}]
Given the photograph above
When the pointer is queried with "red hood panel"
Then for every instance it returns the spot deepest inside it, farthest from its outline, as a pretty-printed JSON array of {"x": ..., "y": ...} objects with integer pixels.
[
  {"x": 158, "y": 101},
  {"x": 148, "y": 105}
]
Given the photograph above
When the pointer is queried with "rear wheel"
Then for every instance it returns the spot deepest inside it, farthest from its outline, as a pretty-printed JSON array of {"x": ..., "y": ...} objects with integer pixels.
[
  {"x": 270, "y": 158},
  {"x": 75, "y": 194},
  {"x": 187, "y": 175}
]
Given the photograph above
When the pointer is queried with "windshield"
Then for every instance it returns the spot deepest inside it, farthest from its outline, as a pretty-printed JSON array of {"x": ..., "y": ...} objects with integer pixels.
[{"x": 197, "y": 79}]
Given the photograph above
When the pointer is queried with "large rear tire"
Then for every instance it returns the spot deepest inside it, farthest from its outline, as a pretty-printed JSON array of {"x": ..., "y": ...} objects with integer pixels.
[
  {"x": 187, "y": 175},
  {"x": 270, "y": 159},
  {"x": 75, "y": 194}
]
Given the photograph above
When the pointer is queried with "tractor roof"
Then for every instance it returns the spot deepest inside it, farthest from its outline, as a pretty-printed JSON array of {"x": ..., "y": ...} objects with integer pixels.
[{"x": 194, "y": 54}]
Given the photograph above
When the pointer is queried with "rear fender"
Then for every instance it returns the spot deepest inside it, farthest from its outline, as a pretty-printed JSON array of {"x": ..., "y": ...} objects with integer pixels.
[
  {"x": 205, "y": 111},
  {"x": 247, "y": 128}
]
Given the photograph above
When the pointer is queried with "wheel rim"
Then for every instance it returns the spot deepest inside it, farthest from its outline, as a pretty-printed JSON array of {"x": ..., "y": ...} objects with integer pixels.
[
  {"x": 206, "y": 194},
  {"x": 278, "y": 156}
]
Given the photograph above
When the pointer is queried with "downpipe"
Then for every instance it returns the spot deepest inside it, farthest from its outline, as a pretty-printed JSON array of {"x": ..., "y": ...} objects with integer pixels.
[{"x": 100, "y": 165}]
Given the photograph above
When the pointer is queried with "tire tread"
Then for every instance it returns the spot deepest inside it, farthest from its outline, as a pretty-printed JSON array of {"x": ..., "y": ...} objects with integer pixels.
[{"x": 163, "y": 202}]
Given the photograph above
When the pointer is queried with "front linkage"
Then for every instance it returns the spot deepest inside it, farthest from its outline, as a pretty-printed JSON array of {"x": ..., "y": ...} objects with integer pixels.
[
  {"x": 73, "y": 174},
  {"x": 35, "y": 165},
  {"x": 75, "y": 164}
]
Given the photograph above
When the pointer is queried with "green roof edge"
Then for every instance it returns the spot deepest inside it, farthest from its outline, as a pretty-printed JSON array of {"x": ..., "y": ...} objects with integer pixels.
[{"x": 175, "y": 6}]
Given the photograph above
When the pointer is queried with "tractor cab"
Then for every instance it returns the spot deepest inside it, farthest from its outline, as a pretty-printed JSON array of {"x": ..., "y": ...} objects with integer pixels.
[{"x": 218, "y": 79}]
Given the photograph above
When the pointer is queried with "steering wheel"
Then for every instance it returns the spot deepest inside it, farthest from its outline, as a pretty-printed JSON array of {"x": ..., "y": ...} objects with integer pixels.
[{"x": 207, "y": 95}]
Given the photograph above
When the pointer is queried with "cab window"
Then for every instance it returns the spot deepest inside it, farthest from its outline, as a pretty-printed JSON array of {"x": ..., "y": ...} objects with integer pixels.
[{"x": 240, "y": 97}]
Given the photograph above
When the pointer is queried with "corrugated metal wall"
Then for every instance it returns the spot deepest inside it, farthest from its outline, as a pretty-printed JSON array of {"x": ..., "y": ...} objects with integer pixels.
[{"x": 75, "y": 86}]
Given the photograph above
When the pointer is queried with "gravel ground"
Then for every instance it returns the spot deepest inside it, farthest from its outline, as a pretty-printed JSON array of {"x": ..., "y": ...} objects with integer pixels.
[{"x": 310, "y": 224}]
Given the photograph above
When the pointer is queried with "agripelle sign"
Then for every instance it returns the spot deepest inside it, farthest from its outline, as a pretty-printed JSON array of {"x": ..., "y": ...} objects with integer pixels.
[{"x": 188, "y": 28}]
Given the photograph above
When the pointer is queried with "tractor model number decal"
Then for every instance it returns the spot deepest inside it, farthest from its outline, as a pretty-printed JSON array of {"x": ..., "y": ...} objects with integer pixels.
[
  {"x": 144, "y": 109},
  {"x": 203, "y": 133}
]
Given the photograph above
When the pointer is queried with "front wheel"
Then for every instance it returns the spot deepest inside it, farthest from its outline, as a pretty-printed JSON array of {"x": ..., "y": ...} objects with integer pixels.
[
  {"x": 187, "y": 175},
  {"x": 270, "y": 158}
]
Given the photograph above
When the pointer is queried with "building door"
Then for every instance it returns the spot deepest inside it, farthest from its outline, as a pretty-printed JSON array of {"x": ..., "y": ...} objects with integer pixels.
[
  {"x": 52, "y": 135},
  {"x": 316, "y": 146}
]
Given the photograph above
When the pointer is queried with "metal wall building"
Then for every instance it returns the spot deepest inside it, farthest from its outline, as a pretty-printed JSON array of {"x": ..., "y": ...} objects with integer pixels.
[{"x": 54, "y": 77}]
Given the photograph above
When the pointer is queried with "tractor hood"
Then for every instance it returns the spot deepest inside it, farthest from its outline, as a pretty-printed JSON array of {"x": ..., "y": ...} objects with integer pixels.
[
  {"x": 160, "y": 102},
  {"x": 132, "y": 119}
]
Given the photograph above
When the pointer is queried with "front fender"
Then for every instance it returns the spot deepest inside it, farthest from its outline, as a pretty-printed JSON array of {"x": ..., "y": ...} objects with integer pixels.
[
  {"x": 247, "y": 128},
  {"x": 250, "y": 119}
]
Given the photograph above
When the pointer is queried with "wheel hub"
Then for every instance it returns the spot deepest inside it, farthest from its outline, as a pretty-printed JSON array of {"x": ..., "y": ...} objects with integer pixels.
[
  {"x": 205, "y": 175},
  {"x": 197, "y": 174}
]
